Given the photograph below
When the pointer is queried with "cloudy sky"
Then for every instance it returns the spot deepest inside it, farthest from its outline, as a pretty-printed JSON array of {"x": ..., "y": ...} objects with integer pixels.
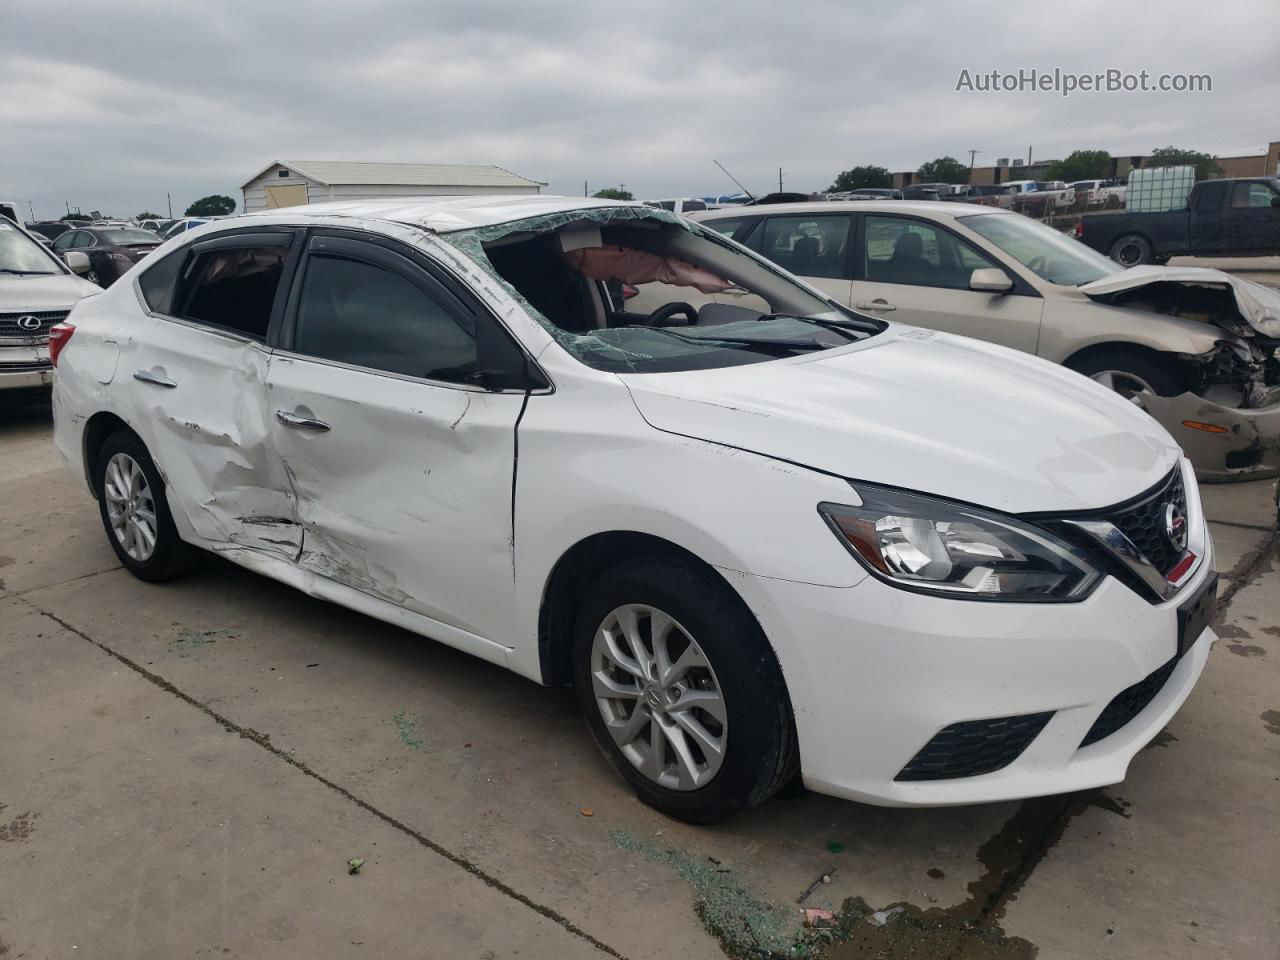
[{"x": 111, "y": 105}]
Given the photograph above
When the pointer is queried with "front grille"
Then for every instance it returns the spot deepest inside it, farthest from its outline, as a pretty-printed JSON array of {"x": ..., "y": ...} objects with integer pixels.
[
  {"x": 974, "y": 747},
  {"x": 1128, "y": 703},
  {"x": 1144, "y": 522},
  {"x": 9, "y": 323}
]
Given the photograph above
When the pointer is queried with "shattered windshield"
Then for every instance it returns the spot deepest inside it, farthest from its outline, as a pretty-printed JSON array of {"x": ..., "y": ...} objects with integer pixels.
[
  {"x": 638, "y": 290},
  {"x": 22, "y": 256},
  {"x": 1051, "y": 255}
]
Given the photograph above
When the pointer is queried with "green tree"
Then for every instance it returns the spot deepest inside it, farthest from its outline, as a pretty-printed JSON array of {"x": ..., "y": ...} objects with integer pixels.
[
  {"x": 1081, "y": 165},
  {"x": 855, "y": 178},
  {"x": 1206, "y": 166},
  {"x": 613, "y": 193},
  {"x": 943, "y": 170},
  {"x": 214, "y": 205},
  {"x": 147, "y": 215}
]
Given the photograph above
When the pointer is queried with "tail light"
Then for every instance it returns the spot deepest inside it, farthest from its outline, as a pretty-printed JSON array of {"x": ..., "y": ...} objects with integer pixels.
[
  {"x": 1079, "y": 231},
  {"x": 628, "y": 291},
  {"x": 59, "y": 337}
]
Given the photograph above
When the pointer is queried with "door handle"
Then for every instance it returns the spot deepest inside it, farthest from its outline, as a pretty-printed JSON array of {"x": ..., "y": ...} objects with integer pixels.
[
  {"x": 301, "y": 423},
  {"x": 146, "y": 376},
  {"x": 880, "y": 305}
]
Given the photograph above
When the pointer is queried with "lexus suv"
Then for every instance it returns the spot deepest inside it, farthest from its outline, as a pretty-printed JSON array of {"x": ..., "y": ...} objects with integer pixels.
[
  {"x": 36, "y": 292},
  {"x": 758, "y": 541}
]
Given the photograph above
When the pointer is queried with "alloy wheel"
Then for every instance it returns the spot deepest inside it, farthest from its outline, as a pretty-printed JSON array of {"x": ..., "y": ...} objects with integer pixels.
[
  {"x": 1129, "y": 385},
  {"x": 131, "y": 509},
  {"x": 659, "y": 697}
]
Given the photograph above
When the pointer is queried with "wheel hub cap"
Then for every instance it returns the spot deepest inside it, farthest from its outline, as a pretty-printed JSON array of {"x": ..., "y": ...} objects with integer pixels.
[
  {"x": 659, "y": 697},
  {"x": 131, "y": 510}
]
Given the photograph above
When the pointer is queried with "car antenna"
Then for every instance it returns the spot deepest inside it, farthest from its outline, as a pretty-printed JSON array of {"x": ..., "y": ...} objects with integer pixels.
[{"x": 734, "y": 179}]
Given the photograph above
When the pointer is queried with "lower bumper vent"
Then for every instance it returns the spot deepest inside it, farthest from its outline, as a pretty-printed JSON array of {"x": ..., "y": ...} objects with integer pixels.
[
  {"x": 974, "y": 747},
  {"x": 1128, "y": 703}
]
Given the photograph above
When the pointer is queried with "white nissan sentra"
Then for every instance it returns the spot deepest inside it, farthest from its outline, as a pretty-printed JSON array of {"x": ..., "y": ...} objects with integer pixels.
[{"x": 912, "y": 567}]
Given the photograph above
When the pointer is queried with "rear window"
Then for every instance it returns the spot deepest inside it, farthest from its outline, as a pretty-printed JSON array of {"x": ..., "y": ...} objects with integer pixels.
[
  {"x": 232, "y": 289},
  {"x": 128, "y": 236},
  {"x": 159, "y": 279}
]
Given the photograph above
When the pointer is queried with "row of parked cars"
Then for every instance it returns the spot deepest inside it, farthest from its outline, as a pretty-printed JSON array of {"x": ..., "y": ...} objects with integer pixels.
[
  {"x": 1034, "y": 197},
  {"x": 747, "y": 516}
]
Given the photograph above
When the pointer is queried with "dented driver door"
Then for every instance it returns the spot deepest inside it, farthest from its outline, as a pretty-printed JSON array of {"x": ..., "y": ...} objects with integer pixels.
[
  {"x": 197, "y": 385},
  {"x": 402, "y": 469}
]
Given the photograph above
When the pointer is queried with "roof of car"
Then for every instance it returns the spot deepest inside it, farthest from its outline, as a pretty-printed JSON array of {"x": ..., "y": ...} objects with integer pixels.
[
  {"x": 932, "y": 208},
  {"x": 446, "y": 214}
]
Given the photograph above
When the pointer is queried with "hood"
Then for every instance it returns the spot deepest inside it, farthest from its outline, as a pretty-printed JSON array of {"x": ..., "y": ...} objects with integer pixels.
[
  {"x": 57, "y": 292},
  {"x": 1259, "y": 305},
  {"x": 929, "y": 412}
]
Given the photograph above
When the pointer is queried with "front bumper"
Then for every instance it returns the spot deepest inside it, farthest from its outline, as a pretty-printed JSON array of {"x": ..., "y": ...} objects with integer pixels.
[
  {"x": 875, "y": 672},
  {"x": 1246, "y": 448},
  {"x": 25, "y": 366}
]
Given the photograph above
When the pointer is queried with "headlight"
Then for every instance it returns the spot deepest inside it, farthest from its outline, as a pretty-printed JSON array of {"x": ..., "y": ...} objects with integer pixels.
[{"x": 935, "y": 546}]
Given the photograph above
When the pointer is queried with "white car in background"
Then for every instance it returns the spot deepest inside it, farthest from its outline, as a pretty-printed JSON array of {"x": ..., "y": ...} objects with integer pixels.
[
  {"x": 912, "y": 567},
  {"x": 1101, "y": 193},
  {"x": 37, "y": 291},
  {"x": 1196, "y": 348},
  {"x": 680, "y": 205}
]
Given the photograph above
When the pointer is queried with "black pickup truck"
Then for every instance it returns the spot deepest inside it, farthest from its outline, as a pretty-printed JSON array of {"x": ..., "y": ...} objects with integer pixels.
[{"x": 1223, "y": 218}]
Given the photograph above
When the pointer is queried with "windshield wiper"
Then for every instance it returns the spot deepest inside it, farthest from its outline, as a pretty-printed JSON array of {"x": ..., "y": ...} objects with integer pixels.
[
  {"x": 839, "y": 326},
  {"x": 28, "y": 273},
  {"x": 780, "y": 342}
]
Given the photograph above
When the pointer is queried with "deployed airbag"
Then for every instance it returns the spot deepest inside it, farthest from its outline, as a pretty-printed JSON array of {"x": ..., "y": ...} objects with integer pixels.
[{"x": 637, "y": 266}]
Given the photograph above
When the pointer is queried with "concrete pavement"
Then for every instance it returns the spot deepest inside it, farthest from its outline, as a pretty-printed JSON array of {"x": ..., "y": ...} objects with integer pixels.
[{"x": 186, "y": 770}]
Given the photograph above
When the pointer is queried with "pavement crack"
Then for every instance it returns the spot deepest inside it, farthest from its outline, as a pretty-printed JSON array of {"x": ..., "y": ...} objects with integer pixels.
[
  {"x": 17, "y": 594},
  {"x": 1250, "y": 567},
  {"x": 264, "y": 741}
]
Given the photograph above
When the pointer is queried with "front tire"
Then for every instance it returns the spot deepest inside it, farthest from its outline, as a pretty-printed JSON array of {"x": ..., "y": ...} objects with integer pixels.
[
  {"x": 1131, "y": 373},
  {"x": 681, "y": 690},
  {"x": 135, "y": 511}
]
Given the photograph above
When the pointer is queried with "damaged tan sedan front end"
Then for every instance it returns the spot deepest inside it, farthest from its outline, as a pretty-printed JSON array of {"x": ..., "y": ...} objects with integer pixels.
[{"x": 1227, "y": 416}]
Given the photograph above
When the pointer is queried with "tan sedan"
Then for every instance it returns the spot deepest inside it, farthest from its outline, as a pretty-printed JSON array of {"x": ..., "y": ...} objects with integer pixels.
[{"x": 1196, "y": 348}]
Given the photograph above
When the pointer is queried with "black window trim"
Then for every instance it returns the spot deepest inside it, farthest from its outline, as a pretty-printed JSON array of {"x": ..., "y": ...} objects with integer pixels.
[
  {"x": 1021, "y": 287},
  {"x": 258, "y": 236},
  {"x": 415, "y": 266}
]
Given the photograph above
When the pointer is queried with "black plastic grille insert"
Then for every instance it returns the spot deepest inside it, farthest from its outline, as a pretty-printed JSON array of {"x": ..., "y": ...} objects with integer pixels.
[
  {"x": 1128, "y": 703},
  {"x": 974, "y": 747},
  {"x": 1144, "y": 523}
]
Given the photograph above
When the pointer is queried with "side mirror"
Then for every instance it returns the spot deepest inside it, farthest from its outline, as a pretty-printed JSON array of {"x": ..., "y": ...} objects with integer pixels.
[
  {"x": 990, "y": 280},
  {"x": 77, "y": 260}
]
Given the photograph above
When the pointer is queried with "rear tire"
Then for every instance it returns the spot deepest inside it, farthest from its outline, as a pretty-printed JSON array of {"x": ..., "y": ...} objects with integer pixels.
[
  {"x": 135, "y": 512},
  {"x": 1131, "y": 250},
  {"x": 712, "y": 629}
]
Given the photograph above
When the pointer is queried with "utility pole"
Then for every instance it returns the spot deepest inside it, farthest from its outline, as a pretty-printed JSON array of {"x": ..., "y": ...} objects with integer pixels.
[
  {"x": 31, "y": 210},
  {"x": 1028, "y": 156},
  {"x": 779, "y": 179},
  {"x": 169, "y": 197},
  {"x": 972, "y": 154},
  {"x": 584, "y": 188},
  {"x": 68, "y": 203}
]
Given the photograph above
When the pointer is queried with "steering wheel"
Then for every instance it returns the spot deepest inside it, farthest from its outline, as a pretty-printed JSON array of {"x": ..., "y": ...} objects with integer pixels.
[
  {"x": 662, "y": 317},
  {"x": 1038, "y": 265}
]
